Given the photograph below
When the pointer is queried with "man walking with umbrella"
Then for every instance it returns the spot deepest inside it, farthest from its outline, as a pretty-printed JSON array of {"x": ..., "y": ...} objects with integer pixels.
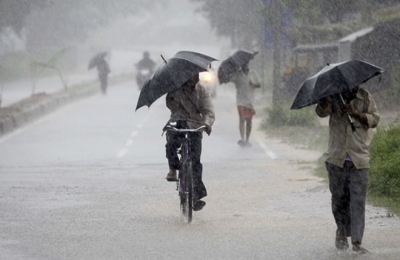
[
  {"x": 246, "y": 81},
  {"x": 352, "y": 115},
  {"x": 236, "y": 70},
  {"x": 347, "y": 161},
  {"x": 103, "y": 69}
]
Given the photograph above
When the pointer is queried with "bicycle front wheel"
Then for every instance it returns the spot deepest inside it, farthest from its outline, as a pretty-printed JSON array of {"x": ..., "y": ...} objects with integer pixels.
[{"x": 187, "y": 192}]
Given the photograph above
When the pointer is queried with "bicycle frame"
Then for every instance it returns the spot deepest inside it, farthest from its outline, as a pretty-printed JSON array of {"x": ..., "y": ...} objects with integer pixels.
[
  {"x": 184, "y": 187},
  {"x": 186, "y": 142},
  {"x": 185, "y": 157}
]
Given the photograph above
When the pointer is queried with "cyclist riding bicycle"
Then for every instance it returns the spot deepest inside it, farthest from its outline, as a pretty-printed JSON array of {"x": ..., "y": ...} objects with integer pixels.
[
  {"x": 146, "y": 63},
  {"x": 191, "y": 107}
]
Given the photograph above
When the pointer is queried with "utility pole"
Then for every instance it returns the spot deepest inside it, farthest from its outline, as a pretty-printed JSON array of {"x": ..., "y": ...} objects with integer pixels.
[
  {"x": 276, "y": 20},
  {"x": 366, "y": 12}
]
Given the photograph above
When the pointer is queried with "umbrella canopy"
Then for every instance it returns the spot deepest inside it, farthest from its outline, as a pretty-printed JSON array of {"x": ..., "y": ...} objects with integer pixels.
[
  {"x": 96, "y": 59},
  {"x": 172, "y": 74},
  {"x": 334, "y": 79},
  {"x": 233, "y": 63}
]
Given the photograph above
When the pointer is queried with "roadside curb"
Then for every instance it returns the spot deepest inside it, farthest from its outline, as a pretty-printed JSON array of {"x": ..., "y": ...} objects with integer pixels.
[
  {"x": 49, "y": 104},
  {"x": 24, "y": 114}
]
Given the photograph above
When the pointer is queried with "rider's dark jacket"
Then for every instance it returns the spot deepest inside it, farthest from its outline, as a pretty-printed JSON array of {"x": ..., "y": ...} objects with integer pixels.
[{"x": 192, "y": 104}]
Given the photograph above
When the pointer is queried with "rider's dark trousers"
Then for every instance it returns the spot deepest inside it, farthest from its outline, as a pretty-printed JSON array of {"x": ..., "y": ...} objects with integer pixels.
[
  {"x": 348, "y": 186},
  {"x": 174, "y": 140}
]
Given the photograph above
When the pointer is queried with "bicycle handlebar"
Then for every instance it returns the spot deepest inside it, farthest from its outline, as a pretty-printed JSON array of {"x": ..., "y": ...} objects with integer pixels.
[
  {"x": 171, "y": 128},
  {"x": 185, "y": 130}
]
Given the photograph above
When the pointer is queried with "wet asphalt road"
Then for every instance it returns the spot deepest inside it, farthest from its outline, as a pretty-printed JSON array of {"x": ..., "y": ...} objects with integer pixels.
[{"x": 87, "y": 182}]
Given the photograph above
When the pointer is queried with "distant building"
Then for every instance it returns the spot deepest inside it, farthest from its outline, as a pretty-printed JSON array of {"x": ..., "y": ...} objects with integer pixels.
[{"x": 379, "y": 45}]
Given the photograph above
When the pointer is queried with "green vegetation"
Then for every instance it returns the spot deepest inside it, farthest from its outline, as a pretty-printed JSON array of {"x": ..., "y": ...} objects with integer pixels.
[
  {"x": 279, "y": 116},
  {"x": 384, "y": 182},
  {"x": 385, "y": 163},
  {"x": 296, "y": 126}
]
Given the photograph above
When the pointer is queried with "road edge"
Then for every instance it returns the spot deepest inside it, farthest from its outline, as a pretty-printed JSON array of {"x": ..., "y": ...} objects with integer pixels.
[{"x": 28, "y": 114}]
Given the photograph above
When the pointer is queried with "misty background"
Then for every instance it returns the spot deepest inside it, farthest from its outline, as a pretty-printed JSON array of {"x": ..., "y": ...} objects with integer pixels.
[
  {"x": 55, "y": 39},
  {"x": 69, "y": 33},
  {"x": 66, "y": 34},
  {"x": 124, "y": 28}
]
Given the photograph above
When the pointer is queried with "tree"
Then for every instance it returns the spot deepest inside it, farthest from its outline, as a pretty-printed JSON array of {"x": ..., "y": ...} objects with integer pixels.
[
  {"x": 14, "y": 13},
  {"x": 248, "y": 21},
  {"x": 241, "y": 21},
  {"x": 59, "y": 24},
  {"x": 67, "y": 23},
  {"x": 36, "y": 67},
  {"x": 276, "y": 25}
]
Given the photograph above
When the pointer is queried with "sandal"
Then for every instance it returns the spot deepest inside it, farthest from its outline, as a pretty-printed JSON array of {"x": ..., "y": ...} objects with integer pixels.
[
  {"x": 359, "y": 249},
  {"x": 341, "y": 241},
  {"x": 171, "y": 176},
  {"x": 341, "y": 244},
  {"x": 198, "y": 205}
]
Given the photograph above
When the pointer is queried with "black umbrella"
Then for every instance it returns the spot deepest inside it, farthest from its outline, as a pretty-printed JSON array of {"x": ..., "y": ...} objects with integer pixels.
[
  {"x": 334, "y": 79},
  {"x": 233, "y": 63},
  {"x": 96, "y": 59},
  {"x": 172, "y": 74}
]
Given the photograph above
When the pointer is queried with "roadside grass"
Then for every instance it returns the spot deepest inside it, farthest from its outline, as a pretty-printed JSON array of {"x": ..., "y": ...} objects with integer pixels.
[
  {"x": 300, "y": 127},
  {"x": 384, "y": 179},
  {"x": 384, "y": 182},
  {"x": 92, "y": 84},
  {"x": 311, "y": 137}
]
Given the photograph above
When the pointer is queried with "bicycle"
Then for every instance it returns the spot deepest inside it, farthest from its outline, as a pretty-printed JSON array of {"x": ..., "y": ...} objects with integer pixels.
[{"x": 184, "y": 184}]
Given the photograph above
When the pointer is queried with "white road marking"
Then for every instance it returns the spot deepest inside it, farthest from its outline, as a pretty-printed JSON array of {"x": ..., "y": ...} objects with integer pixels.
[
  {"x": 272, "y": 155},
  {"x": 259, "y": 137},
  {"x": 128, "y": 143},
  {"x": 267, "y": 150},
  {"x": 122, "y": 153}
]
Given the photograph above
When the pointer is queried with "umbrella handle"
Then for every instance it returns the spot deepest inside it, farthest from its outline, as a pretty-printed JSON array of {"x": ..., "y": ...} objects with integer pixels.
[
  {"x": 353, "y": 127},
  {"x": 163, "y": 59},
  {"x": 348, "y": 116}
]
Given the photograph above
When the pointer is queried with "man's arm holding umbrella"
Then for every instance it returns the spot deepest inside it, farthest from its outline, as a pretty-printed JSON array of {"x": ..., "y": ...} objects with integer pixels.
[
  {"x": 369, "y": 118},
  {"x": 207, "y": 110},
  {"x": 362, "y": 117},
  {"x": 254, "y": 79},
  {"x": 324, "y": 107},
  {"x": 172, "y": 101},
  {"x": 329, "y": 105}
]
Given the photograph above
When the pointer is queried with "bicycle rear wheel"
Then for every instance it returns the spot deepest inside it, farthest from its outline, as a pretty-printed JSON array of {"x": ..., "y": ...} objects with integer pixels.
[{"x": 187, "y": 192}]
